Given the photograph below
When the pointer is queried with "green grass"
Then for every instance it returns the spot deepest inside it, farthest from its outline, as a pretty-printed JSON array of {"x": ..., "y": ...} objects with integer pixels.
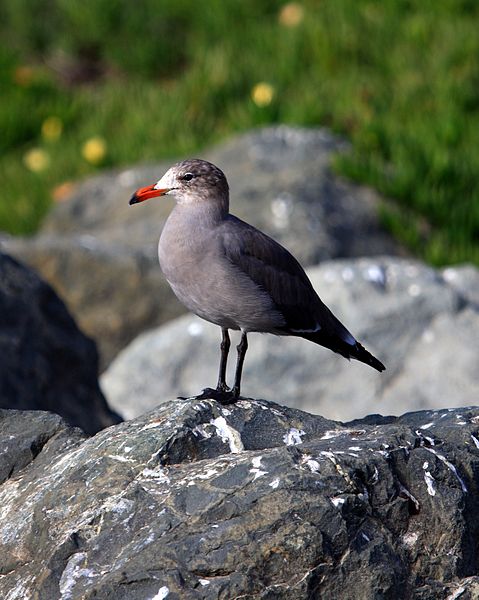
[{"x": 163, "y": 78}]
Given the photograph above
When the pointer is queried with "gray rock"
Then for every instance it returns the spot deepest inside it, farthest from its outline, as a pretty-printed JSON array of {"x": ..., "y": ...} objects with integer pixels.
[
  {"x": 409, "y": 315},
  {"x": 24, "y": 434},
  {"x": 196, "y": 500},
  {"x": 112, "y": 290},
  {"x": 47, "y": 363},
  {"x": 100, "y": 254}
]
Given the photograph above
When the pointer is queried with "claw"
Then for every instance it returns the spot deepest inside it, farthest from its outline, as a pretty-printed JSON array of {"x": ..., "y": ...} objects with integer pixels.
[{"x": 222, "y": 396}]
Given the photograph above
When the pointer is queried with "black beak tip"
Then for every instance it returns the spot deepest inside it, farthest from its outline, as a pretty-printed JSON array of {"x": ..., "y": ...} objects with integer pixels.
[{"x": 133, "y": 200}]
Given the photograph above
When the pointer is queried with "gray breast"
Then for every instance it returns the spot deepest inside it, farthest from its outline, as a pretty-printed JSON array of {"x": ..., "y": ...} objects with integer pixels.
[{"x": 210, "y": 286}]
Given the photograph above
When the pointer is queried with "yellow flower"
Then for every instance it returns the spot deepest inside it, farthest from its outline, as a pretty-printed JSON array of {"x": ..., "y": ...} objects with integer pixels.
[
  {"x": 291, "y": 14},
  {"x": 262, "y": 94},
  {"x": 52, "y": 128},
  {"x": 36, "y": 160},
  {"x": 94, "y": 150}
]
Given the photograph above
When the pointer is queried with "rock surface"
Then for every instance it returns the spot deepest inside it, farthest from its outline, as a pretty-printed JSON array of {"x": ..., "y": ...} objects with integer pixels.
[
  {"x": 195, "y": 500},
  {"x": 46, "y": 362},
  {"x": 422, "y": 323},
  {"x": 100, "y": 254}
]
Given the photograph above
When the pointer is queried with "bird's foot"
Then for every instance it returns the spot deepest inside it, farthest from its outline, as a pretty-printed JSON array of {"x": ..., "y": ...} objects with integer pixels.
[{"x": 223, "y": 396}]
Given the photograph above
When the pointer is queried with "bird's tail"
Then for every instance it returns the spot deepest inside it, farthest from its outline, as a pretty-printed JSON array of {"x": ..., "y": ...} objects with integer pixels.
[{"x": 336, "y": 344}]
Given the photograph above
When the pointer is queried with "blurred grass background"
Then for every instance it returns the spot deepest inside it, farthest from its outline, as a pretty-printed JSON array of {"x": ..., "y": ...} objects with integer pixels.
[{"x": 89, "y": 85}]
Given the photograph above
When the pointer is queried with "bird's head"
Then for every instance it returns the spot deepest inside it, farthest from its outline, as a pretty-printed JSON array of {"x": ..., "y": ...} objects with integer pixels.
[{"x": 190, "y": 182}]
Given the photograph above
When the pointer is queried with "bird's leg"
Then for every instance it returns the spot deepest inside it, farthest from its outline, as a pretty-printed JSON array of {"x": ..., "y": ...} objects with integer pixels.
[
  {"x": 241, "y": 348},
  {"x": 222, "y": 393},
  {"x": 225, "y": 348}
]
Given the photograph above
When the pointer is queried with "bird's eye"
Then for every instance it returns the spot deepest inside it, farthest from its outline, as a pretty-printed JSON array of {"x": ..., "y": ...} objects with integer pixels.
[{"x": 186, "y": 177}]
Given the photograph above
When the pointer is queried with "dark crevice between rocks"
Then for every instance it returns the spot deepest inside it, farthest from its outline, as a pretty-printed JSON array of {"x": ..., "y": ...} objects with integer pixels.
[
  {"x": 425, "y": 441},
  {"x": 397, "y": 460},
  {"x": 413, "y": 503},
  {"x": 212, "y": 573},
  {"x": 37, "y": 445},
  {"x": 10, "y": 473}
]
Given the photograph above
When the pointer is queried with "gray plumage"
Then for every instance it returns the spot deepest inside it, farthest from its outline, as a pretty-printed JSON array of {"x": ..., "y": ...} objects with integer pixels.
[{"x": 231, "y": 274}]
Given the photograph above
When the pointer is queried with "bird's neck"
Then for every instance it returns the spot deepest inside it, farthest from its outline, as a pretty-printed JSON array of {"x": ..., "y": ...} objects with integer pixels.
[
  {"x": 199, "y": 214},
  {"x": 185, "y": 237},
  {"x": 188, "y": 227}
]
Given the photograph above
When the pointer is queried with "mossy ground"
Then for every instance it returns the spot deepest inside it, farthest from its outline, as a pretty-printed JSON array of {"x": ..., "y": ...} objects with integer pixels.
[{"x": 113, "y": 82}]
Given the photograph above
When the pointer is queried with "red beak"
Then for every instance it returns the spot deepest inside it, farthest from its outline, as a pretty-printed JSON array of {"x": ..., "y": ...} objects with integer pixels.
[{"x": 145, "y": 193}]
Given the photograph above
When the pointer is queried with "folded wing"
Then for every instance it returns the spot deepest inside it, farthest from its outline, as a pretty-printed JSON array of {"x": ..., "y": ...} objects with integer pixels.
[{"x": 275, "y": 270}]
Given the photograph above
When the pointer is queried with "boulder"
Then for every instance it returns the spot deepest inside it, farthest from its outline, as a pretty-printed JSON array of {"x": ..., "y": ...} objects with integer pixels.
[
  {"x": 200, "y": 501},
  {"x": 100, "y": 254},
  {"x": 47, "y": 363},
  {"x": 422, "y": 323},
  {"x": 112, "y": 290}
]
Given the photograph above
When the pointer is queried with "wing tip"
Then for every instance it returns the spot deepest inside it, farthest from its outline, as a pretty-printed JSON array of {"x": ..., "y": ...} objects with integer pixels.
[
  {"x": 336, "y": 344},
  {"x": 367, "y": 358}
]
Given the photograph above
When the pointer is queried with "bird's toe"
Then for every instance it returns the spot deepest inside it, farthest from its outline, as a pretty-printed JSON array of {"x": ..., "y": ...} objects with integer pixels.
[{"x": 226, "y": 396}]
